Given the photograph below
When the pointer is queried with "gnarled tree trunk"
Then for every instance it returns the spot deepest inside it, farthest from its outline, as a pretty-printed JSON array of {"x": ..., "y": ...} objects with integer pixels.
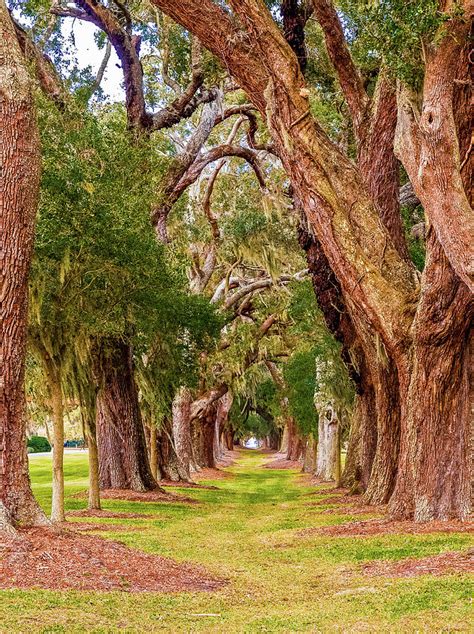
[
  {"x": 123, "y": 456},
  {"x": 433, "y": 480},
  {"x": 19, "y": 184}
]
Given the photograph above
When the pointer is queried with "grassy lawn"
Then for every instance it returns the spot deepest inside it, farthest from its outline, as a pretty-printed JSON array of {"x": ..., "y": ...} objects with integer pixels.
[{"x": 279, "y": 581}]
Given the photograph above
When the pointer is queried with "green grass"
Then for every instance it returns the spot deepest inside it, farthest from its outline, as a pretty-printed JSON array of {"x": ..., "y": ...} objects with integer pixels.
[{"x": 279, "y": 581}]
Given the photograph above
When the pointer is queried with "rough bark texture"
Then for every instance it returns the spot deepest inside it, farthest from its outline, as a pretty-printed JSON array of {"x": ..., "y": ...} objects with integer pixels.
[
  {"x": 123, "y": 454},
  {"x": 326, "y": 455},
  {"x": 182, "y": 430},
  {"x": 434, "y": 469},
  {"x": 19, "y": 183},
  {"x": 224, "y": 406},
  {"x": 328, "y": 292},
  {"x": 427, "y": 144},
  {"x": 170, "y": 467}
]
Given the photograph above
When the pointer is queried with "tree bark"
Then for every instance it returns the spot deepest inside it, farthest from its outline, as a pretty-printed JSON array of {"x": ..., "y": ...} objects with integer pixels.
[
  {"x": 182, "y": 430},
  {"x": 224, "y": 406},
  {"x": 309, "y": 462},
  {"x": 170, "y": 466},
  {"x": 328, "y": 444},
  {"x": 94, "y": 484},
  {"x": 295, "y": 441},
  {"x": 56, "y": 394},
  {"x": 153, "y": 451},
  {"x": 123, "y": 456},
  {"x": 433, "y": 481},
  {"x": 19, "y": 185}
]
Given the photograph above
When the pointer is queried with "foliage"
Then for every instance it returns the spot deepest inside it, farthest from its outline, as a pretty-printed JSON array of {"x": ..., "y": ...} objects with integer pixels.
[
  {"x": 38, "y": 444},
  {"x": 395, "y": 30},
  {"x": 98, "y": 271},
  {"x": 300, "y": 378}
]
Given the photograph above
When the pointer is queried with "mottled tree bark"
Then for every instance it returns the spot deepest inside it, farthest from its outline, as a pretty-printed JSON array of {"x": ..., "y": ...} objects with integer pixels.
[
  {"x": 123, "y": 454},
  {"x": 224, "y": 406},
  {"x": 19, "y": 184},
  {"x": 182, "y": 431}
]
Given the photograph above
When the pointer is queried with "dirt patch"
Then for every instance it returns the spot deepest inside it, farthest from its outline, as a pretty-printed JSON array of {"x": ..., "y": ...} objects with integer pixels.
[
  {"x": 86, "y": 527},
  {"x": 212, "y": 474},
  {"x": 229, "y": 458},
  {"x": 386, "y": 527},
  {"x": 60, "y": 560},
  {"x": 446, "y": 563},
  {"x": 185, "y": 485},
  {"x": 354, "y": 509},
  {"x": 283, "y": 463},
  {"x": 138, "y": 496},
  {"x": 110, "y": 514}
]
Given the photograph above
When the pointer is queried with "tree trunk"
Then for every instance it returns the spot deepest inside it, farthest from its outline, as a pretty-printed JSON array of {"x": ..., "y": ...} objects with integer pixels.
[
  {"x": 433, "y": 481},
  {"x": 229, "y": 439},
  {"x": 362, "y": 439},
  {"x": 224, "y": 406},
  {"x": 284, "y": 440},
  {"x": 328, "y": 444},
  {"x": 295, "y": 441},
  {"x": 19, "y": 183},
  {"x": 309, "y": 462},
  {"x": 385, "y": 461},
  {"x": 169, "y": 466},
  {"x": 182, "y": 430},
  {"x": 94, "y": 487},
  {"x": 57, "y": 506},
  {"x": 203, "y": 435},
  {"x": 153, "y": 451},
  {"x": 123, "y": 456}
]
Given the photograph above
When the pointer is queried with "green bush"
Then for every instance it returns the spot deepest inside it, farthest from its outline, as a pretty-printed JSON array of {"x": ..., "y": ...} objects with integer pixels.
[{"x": 38, "y": 444}]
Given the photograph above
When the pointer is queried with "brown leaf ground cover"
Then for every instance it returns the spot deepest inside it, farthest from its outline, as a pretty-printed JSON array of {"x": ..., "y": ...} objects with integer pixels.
[
  {"x": 445, "y": 563},
  {"x": 64, "y": 559},
  {"x": 139, "y": 496},
  {"x": 106, "y": 514},
  {"x": 283, "y": 463},
  {"x": 373, "y": 527}
]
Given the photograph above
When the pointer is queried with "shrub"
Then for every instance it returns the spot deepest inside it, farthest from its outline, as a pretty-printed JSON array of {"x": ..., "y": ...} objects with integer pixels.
[{"x": 37, "y": 444}]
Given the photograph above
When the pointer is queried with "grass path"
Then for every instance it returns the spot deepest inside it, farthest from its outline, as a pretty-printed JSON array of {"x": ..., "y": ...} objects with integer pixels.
[{"x": 279, "y": 581}]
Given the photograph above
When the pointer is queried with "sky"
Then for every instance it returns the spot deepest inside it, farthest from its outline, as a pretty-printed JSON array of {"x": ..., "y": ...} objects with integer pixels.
[{"x": 89, "y": 54}]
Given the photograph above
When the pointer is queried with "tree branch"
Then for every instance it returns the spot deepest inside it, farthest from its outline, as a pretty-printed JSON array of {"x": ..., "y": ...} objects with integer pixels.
[{"x": 339, "y": 54}]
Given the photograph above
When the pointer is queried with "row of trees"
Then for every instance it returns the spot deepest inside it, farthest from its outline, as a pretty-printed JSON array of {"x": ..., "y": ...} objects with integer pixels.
[{"x": 178, "y": 335}]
